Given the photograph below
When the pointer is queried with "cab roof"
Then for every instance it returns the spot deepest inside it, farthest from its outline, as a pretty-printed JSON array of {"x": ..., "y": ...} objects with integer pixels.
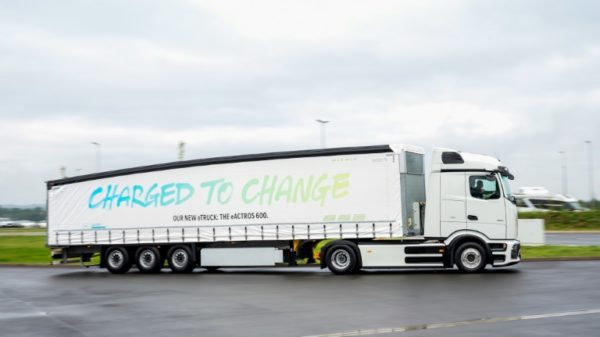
[{"x": 450, "y": 159}]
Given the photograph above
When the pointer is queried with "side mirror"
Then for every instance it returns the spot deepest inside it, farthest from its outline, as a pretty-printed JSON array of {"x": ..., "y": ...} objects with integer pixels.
[
  {"x": 504, "y": 171},
  {"x": 512, "y": 199},
  {"x": 491, "y": 177}
]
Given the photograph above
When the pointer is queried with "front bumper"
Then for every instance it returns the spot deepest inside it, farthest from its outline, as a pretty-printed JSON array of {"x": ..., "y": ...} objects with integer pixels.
[{"x": 508, "y": 256}]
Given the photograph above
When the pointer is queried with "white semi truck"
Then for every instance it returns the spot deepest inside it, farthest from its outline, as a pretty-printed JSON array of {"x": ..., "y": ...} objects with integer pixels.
[{"x": 370, "y": 203}]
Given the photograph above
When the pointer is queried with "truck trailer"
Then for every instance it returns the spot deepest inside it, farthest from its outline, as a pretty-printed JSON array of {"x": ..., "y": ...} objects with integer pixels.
[{"x": 369, "y": 203}]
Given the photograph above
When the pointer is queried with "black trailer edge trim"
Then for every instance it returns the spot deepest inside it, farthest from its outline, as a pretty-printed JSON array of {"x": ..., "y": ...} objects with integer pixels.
[{"x": 224, "y": 160}]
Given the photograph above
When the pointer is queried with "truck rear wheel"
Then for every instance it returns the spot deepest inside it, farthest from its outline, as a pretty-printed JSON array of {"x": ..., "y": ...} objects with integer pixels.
[
  {"x": 180, "y": 259},
  {"x": 148, "y": 260},
  {"x": 341, "y": 259},
  {"x": 117, "y": 260},
  {"x": 470, "y": 257}
]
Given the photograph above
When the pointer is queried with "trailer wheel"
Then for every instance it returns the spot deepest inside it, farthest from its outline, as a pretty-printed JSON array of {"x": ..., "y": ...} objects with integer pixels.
[
  {"x": 341, "y": 259},
  {"x": 180, "y": 259},
  {"x": 148, "y": 260},
  {"x": 117, "y": 260},
  {"x": 470, "y": 257}
]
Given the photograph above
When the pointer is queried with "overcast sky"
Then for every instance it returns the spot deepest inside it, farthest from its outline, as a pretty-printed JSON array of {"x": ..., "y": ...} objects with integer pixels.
[{"x": 515, "y": 79}]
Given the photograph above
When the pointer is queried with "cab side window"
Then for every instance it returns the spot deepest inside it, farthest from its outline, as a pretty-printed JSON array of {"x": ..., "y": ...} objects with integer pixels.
[{"x": 482, "y": 188}]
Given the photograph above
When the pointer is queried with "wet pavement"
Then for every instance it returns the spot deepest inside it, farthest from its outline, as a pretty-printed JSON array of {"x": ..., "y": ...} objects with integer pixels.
[
  {"x": 556, "y": 299},
  {"x": 576, "y": 239}
]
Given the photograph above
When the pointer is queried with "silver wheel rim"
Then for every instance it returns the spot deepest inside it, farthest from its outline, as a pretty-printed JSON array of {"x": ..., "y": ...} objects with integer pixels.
[
  {"x": 471, "y": 258},
  {"x": 180, "y": 258},
  {"x": 340, "y": 259},
  {"x": 116, "y": 259},
  {"x": 147, "y": 259}
]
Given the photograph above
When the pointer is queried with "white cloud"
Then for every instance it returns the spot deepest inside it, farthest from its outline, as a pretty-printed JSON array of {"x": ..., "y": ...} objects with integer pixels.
[
  {"x": 516, "y": 80},
  {"x": 302, "y": 20}
]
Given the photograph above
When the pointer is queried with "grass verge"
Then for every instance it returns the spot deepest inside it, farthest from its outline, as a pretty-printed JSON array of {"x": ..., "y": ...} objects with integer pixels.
[
  {"x": 22, "y": 230},
  {"x": 566, "y": 221},
  {"x": 24, "y": 250},
  {"x": 550, "y": 251}
]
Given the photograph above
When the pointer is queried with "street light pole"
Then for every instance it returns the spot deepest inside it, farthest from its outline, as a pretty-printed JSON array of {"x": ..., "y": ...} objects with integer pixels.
[
  {"x": 322, "y": 122},
  {"x": 564, "y": 172},
  {"x": 98, "y": 155},
  {"x": 181, "y": 152},
  {"x": 591, "y": 169}
]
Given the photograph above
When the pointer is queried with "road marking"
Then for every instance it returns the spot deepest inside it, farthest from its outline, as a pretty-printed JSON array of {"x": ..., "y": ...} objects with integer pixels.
[{"x": 407, "y": 328}]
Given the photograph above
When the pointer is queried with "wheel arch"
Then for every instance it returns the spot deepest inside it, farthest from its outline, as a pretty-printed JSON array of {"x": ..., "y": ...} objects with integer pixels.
[
  {"x": 457, "y": 239},
  {"x": 335, "y": 243}
]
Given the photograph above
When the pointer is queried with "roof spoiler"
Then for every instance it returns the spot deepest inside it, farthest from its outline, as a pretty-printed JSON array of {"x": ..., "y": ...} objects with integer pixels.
[{"x": 451, "y": 157}]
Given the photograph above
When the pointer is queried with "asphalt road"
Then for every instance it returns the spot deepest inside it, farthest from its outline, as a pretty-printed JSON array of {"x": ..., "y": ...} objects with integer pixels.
[
  {"x": 287, "y": 302},
  {"x": 577, "y": 239}
]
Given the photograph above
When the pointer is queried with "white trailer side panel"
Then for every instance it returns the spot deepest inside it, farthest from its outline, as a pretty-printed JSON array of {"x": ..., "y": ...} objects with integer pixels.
[
  {"x": 298, "y": 198},
  {"x": 241, "y": 257}
]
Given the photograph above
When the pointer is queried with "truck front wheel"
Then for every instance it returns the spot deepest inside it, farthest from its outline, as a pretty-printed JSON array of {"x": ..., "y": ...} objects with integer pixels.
[
  {"x": 470, "y": 257},
  {"x": 117, "y": 260},
  {"x": 181, "y": 259},
  {"x": 341, "y": 259}
]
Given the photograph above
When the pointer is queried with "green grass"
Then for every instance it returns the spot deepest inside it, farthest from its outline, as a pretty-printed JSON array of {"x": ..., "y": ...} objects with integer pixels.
[
  {"x": 22, "y": 230},
  {"x": 560, "y": 221},
  {"x": 29, "y": 250},
  {"x": 528, "y": 252},
  {"x": 24, "y": 250}
]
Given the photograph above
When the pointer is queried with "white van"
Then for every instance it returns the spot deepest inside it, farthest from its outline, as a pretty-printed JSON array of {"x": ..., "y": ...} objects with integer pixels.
[{"x": 539, "y": 199}]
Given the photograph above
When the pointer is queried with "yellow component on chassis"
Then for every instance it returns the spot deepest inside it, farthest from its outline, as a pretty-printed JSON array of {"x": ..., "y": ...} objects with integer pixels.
[
  {"x": 309, "y": 251},
  {"x": 297, "y": 244}
]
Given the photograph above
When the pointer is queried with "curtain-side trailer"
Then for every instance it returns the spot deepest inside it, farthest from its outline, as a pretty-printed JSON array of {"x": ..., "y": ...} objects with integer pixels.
[{"x": 369, "y": 203}]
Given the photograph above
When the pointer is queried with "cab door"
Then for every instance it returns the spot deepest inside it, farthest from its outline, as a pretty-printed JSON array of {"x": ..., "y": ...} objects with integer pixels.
[
  {"x": 452, "y": 202},
  {"x": 486, "y": 211}
]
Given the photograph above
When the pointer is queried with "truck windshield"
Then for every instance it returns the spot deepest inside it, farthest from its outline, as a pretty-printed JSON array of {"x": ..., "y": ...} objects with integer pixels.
[{"x": 506, "y": 186}]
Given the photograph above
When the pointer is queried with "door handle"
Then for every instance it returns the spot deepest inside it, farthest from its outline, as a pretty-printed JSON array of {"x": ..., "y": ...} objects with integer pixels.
[{"x": 472, "y": 217}]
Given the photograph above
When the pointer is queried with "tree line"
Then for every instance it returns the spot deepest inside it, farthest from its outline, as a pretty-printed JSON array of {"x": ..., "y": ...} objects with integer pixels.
[
  {"x": 31, "y": 214},
  {"x": 592, "y": 204}
]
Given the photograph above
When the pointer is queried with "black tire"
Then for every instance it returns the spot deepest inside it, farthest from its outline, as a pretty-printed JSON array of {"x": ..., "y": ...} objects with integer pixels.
[
  {"x": 180, "y": 259},
  {"x": 149, "y": 260},
  {"x": 341, "y": 259},
  {"x": 470, "y": 257},
  {"x": 117, "y": 260}
]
